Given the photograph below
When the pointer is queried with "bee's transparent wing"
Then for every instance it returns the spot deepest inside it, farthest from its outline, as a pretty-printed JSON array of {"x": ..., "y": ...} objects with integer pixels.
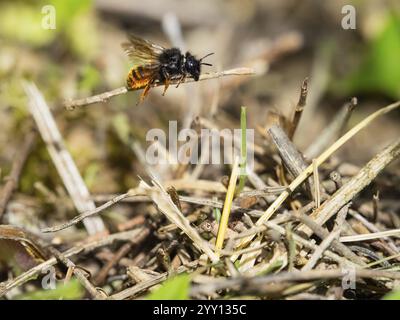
[{"x": 142, "y": 52}]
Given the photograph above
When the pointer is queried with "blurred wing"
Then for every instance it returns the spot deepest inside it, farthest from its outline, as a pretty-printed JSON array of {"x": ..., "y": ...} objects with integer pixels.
[{"x": 142, "y": 52}]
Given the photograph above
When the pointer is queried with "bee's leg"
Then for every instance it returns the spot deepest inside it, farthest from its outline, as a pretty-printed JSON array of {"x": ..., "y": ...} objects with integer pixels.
[
  {"x": 181, "y": 79},
  {"x": 166, "y": 85},
  {"x": 165, "y": 75},
  {"x": 145, "y": 92}
]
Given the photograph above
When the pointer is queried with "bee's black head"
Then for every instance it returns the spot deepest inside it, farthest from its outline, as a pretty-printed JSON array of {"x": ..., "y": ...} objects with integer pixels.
[{"x": 193, "y": 65}]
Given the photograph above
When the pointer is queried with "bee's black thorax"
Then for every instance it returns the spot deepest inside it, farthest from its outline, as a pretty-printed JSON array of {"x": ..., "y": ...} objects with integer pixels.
[
  {"x": 171, "y": 62},
  {"x": 174, "y": 64}
]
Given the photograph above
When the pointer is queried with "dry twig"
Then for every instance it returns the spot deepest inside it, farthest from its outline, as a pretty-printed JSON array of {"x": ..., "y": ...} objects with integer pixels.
[
  {"x": 298, "y": 111},
  {"x": 18, "y": 164},
  {"x": 81, "y": 248},
  {"x": 332, "y": 131},
  {"x": 79, "y": 274},
  {"x": 145, "y": 285},
  {"x": 62, "y": 159},
  {"x": 124, "y": 250},
  {"x": 357, "y": 183},
  {"x": 164, "y": 203},
  {"x": 291, "y": 157},
  {"x": 103, "y": 97},
  {"x": 341, "y": 217},
  {"x": 325, "y": 155},
  {"x": 260, "y": 284}
]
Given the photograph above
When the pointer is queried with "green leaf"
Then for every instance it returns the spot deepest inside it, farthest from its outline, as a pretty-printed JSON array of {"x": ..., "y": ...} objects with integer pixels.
[
  {"x": 217, "y": 214},
  {"x": 394, "y": 295},
  {"x": 76, "y": 19},
  {"x": 379, "y": 71},
  {"x": 176, "y": 288},
  {"x": 81, "y": 35},
  {"x": 71, "y": 16},
  {"x": 66, "y": 10},
  {"x": 72, "y": 290},
  {"x": 273, "y": 266},
  {"x": 27, "y": 28}
]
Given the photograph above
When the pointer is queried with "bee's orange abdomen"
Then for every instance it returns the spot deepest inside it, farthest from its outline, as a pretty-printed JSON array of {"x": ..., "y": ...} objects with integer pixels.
[{"x": 138, "y": 78}]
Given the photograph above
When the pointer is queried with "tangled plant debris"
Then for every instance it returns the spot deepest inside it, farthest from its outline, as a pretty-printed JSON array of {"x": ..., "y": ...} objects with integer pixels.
[{"x": 313, "y": 214}]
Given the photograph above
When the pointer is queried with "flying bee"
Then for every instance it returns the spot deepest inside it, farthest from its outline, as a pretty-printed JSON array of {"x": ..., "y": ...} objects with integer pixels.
[{"x": 154, "y": 64}]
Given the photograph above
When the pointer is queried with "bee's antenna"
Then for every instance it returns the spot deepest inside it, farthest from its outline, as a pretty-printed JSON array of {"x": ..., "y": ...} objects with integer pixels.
[
  {"x": 207, "y": 64},
  {"x": 206, "y": 56}
]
